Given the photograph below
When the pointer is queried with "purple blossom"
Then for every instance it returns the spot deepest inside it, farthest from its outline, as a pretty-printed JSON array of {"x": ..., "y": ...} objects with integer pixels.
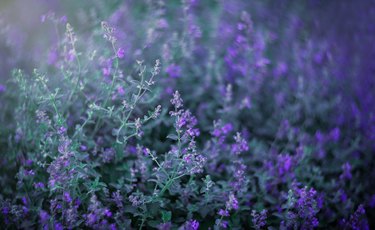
[
  {"x": 240, "y": 146},
  {"x": 346, "y": 172},
  {"x": 371, "y": 202},
  {"x": 191, "y": 225},
  {"x": 44, "y": 217},
  {"x": 118, "y": 199},
  {"x": 39, "y": 185},
  {"x": 223, "y": 212},
  {"x": 335, "y": 134},
  {"x": 120, "y": 90},
  {"x": 67, "y": 197},
  {"x": 232, "y": 203},
  {"x": 303, "y": 206},
  {"x": 165, "y": 226},
  {"x": 108, "y": 155},
  {"x": 176, "y": 100},
  {"x": 58, "y": 226},
  {"x": 120, "y": 53},
  {"x": 173, "y": 71},
  {"x": 357, "y": 220},
  {"x": 259, "y": 219}
]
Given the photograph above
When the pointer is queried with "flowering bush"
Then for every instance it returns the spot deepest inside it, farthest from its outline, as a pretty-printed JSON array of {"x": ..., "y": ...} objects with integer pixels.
[{"x": 188, "y": 115}]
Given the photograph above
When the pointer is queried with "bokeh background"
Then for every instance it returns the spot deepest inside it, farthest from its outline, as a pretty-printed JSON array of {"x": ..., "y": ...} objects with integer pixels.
[{"x": 304, "y": 46}]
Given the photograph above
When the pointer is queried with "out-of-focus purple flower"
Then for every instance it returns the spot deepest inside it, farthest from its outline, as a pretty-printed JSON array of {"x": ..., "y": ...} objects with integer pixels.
[
  {"x": 343, "y": 196},
  {"x": 284, "y": 164},
  {"x": 191, "y": 225},
  {"x": 241, "y": 144},
  {"x": 223, "y": 212},
  {"x": 162, "y": 23},
  {"x": 107, "y": 67},
  {"x": 335, "y": 134},
  {"x": 346, "y": 171},
  {"x": 280, "y": 69},
  {"x": 221, "y": 223},
  {"x": 357, "y": 221},
  {"x": 67, "y": 197},
  {"x": 165, "y": 226},
  {"x": 83, "y": 148},
  {"x": 177, "y": 100},
  {"x": 44, "y": 217},
  {"x": 120, "y": 90},
  {"x": 232, "y": 203},
  {"x": 58, "y": 226},
  {"x": 38, "y": 185},
  {"x": 64, "y": 19},
  {"x": 52, "y": 57},
  {"x": 174, "y": 71},
  {"x": 239, "y": 176},
  {"x": 2, "y": 88},
  {"x": 61, "y": 130},
  {"x": 91, "y": 219},
  {"x": 107, "y": 213},
  {"x": 108, "y": 155},
  {"x": 259, "y": 219},
  {"x": 106, "y": 71},
  {"x": 371, "y": 202},
  {"x": 112, "y": 227},
  {"x": 118, "y": 199},
  {"x": 304, "y": 203},
  {"x": 120, "y": 53},
  {"x": 227, "y": 128},
  {"x": 24, "y": 200}
]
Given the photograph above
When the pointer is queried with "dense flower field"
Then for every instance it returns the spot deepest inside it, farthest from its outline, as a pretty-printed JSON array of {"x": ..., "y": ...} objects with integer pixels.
[{"x": 187, "y": 114}]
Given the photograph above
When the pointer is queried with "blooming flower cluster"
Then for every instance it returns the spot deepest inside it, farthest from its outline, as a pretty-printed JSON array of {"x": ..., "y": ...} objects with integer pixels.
[{"x": 187, "y": 115}]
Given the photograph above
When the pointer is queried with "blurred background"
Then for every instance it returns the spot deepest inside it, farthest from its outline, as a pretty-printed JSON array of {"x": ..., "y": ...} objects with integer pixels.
[{"x": 344, "y": 28}]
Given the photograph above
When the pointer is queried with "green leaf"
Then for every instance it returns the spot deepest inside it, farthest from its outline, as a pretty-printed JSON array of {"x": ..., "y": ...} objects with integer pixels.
[
  {"x": 172, "y": 136},
  {"x": 166, "y": 216}
]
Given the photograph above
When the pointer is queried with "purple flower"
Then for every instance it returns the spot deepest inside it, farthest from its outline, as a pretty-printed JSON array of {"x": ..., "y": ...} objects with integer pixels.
[
  {"x": 67, "y": 197},
  {"x": 227, "y": 128},
  {"x": 371, "y": 203},
  {"x": 52, "y": 57},
  {"x": 162, "y": 23},
  {"x": 303, "y": 208},
  {"x": 108, "y": 155},
  {"x": 346, "y": 171},
  {"x": 281, "y": 69},
  {"x": 118, "y": 198},
  {"x": 176, "y": 100},
  {"x": 91, "y": 219},
  {"x": 58, "y": 226},
  {"x": 232, "y": 203},
  {"x": 223, "y": 212},
  {"x": 38, "y": 185},
  {"x": 284, "y": 164},
  {"x": 120, "y": 90},
  {"x": 44, "y": 217},
  {"x": 335, "y": 134},
  {"x": 221, "y": 223},
  {"x": 64, "y": 19},
  {"x": 259, "y": 219},
  {"x": 83, "y": 148},
  {"x": 120, "y": 53},
  {"x": 357, "y": 221},
  {"x": 191, "y": 225},
  {"x": 107, "y": 213},
  {"x": 173, "y": 71},
  {"x": 165, "y": 226},
  {"x": 61, "y": 130},
  {"x": 240, "y": 146}
]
